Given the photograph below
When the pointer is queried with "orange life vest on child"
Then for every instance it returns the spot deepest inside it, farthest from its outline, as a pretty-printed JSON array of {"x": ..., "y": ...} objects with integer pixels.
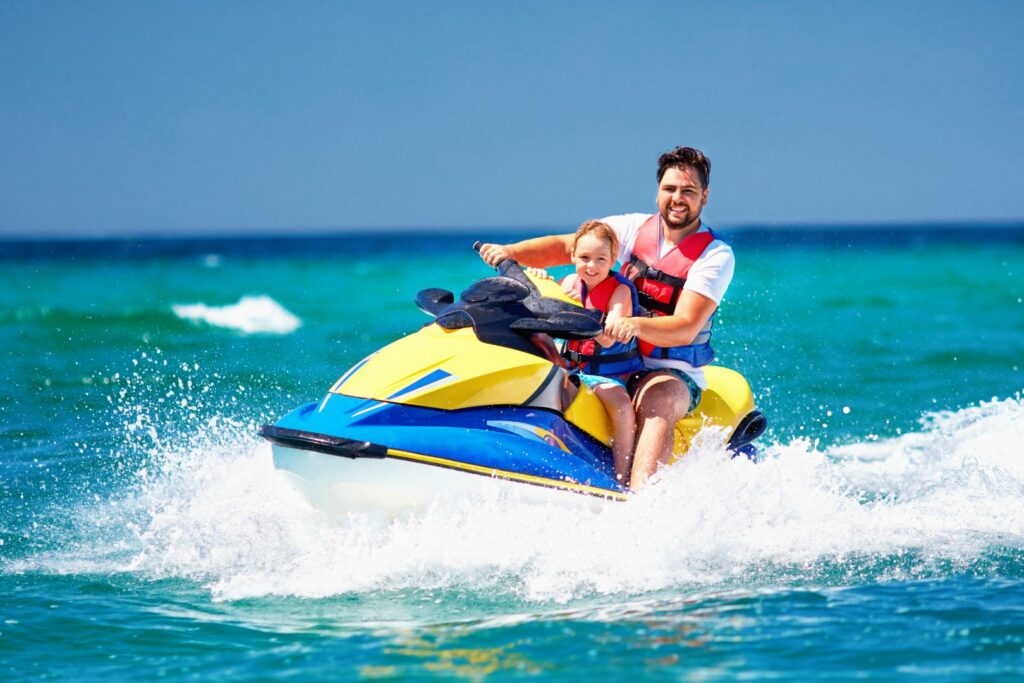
[{"x": 589, "y": 356}]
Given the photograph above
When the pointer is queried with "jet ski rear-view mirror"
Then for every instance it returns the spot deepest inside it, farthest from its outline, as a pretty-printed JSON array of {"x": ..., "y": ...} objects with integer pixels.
[
  {"x": 495, "y": 290},
  {"x": 434, "y": 300}
]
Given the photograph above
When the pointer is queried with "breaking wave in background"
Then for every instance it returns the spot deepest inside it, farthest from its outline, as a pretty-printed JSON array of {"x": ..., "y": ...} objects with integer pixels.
[{"x": 251, "y": 315}]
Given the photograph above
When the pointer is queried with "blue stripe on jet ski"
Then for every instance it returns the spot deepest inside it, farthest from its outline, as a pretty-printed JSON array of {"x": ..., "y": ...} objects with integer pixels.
[
  {"x": 468, "y": 436},
  {"x": 426, "y": 380}
]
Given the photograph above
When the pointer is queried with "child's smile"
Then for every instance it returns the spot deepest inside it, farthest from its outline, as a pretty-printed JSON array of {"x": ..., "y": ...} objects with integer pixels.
[{"x": 593, "y": 260}]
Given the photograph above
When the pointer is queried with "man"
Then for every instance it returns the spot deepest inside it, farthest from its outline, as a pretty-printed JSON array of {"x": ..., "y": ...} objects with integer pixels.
[{"x": 682, "y": 271}]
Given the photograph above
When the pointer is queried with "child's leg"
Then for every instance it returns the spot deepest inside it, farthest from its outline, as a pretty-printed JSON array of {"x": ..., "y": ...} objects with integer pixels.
[{"x": 616, "y": 401}]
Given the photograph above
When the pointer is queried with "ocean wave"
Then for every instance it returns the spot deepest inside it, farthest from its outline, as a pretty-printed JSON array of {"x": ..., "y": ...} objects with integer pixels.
[
  {"x": 251, "y": 315},
  {"x": 210, "y": 507}
]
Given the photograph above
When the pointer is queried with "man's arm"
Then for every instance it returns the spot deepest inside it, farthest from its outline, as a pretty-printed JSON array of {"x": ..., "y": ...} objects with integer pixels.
[
  {"x": 679, "y": 329},
  {"x": 706, "y": 284},
  {"x": 539, "y": 252}
]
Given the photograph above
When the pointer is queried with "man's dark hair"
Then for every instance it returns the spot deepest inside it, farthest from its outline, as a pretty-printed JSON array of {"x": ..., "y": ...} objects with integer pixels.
[{"x": 681, "y": 157}]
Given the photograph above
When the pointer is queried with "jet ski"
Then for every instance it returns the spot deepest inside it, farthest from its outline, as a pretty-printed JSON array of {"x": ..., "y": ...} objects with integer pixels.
[{"x": 479, "y": 397}]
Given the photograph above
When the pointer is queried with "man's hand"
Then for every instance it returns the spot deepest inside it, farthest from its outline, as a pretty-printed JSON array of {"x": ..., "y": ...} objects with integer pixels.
[
  {"x": 622, "y": 329},
  {"x": 493, "y": 254}
]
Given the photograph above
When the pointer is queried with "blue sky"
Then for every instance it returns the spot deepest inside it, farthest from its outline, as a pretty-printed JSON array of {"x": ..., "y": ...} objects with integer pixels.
[{"x": 230, "y": 117}]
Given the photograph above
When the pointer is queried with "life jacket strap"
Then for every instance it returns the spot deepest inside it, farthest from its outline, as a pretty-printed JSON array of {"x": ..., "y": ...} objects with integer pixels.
[
  {"x": 648, "y": 302},
  {"x": 643, "y": 270}
]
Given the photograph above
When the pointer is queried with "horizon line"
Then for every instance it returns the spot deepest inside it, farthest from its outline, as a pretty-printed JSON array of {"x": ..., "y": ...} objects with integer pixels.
[{"x": 341, "y": 231}]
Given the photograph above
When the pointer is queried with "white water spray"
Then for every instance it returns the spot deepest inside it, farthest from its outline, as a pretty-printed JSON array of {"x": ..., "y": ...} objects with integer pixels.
[{"x": 215, "y": 511}]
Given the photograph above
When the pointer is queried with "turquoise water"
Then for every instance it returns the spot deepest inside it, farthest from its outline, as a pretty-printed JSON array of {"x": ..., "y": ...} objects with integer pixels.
[{"x": 146, "y": 534}]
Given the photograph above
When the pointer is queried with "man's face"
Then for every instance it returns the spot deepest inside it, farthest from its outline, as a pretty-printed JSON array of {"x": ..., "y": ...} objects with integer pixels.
[{"x": 681, "y": 197}]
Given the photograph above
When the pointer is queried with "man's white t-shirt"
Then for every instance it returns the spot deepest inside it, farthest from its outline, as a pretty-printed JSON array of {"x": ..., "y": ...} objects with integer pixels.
[{"x": 709, "y": 275}]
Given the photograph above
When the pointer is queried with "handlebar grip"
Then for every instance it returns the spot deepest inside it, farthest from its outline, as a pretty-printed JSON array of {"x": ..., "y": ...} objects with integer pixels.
[{"x": 510, "y": 268}]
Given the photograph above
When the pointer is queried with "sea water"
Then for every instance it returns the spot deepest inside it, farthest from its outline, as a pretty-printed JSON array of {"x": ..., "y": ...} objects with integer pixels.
[{"x": 144, "y": 532}]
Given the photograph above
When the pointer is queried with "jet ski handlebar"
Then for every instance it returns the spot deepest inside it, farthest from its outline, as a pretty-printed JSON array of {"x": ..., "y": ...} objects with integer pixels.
[
  {"x": 558, "y": 318},
  {"x": 511, "y": 269}
]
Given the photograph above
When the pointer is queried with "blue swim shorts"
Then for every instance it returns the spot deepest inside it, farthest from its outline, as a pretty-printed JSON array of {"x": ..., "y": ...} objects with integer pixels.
[{"x": 593, "y": 381}]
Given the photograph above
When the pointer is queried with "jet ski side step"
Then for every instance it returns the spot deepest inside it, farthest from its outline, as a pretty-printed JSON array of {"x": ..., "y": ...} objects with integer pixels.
[{"x": 322, "y": 443}]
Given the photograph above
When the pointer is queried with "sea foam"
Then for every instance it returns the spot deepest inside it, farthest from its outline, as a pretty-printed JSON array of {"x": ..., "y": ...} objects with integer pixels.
[
  {"x": 252, "y": 314},
  {"x": 208, "y": 505}
]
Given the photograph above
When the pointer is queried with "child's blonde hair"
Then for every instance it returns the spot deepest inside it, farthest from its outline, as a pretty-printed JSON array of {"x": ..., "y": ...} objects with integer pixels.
[{"x": 601, "y": 231}]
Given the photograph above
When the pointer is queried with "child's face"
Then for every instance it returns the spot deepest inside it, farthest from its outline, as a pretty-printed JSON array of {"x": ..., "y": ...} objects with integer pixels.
[{"x": 593, "y": 259}]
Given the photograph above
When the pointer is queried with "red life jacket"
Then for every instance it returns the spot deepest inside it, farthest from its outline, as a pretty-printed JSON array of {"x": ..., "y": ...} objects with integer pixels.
[
  {"x": 659, "y": 281},
  {"x": 588, "y": 355}
]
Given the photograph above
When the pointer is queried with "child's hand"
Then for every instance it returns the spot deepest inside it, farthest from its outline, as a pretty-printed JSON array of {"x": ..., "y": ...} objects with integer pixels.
[
  {"x": 604, "y": 340},
  {"x": 570, "y": 291},
  {"x": 621, "y": 329},
  {"x": 538, "y": 273}
]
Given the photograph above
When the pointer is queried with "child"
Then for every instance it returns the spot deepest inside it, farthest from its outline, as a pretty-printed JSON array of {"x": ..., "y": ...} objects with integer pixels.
[{"x": 603, "y": 363}]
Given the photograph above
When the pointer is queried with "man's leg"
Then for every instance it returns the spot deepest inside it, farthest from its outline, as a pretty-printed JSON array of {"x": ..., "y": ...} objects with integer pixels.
[{"x": 661, "y": 400}]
